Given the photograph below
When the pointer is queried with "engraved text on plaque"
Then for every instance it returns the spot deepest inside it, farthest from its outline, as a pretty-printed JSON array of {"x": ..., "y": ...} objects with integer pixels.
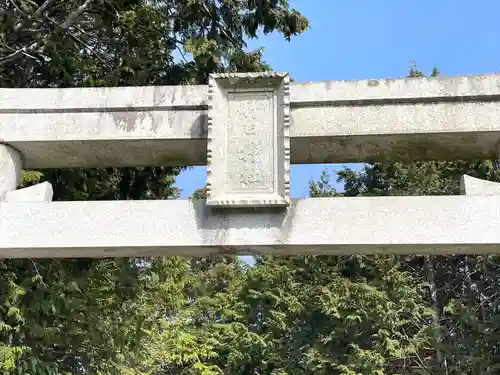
[{"x": 248, "y": 140}]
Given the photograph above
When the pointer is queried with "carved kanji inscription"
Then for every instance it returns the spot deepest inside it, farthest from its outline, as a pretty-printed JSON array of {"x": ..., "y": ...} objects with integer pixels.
[
  {"x": 248, "y": 140},
  {"x": 249, "y": 166}
]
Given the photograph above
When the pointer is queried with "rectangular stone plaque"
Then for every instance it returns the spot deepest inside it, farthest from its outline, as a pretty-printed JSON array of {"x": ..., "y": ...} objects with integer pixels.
[{"x": 248, "y": 140}]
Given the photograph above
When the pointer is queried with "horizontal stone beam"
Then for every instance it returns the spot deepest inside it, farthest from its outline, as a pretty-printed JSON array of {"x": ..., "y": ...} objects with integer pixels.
[
  {"x": 441, "y": 118},
  {"x": 383, "y": 225}
]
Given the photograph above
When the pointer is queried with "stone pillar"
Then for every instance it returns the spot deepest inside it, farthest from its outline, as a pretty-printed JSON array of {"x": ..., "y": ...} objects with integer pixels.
[{"x": 10, "y": 169}]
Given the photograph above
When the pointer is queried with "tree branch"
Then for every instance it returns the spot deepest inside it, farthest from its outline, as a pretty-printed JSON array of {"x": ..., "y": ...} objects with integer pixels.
[
  {"x": 75, "y": 14},
  {"x": 38, "y": 11},
  {"x": 43, "y": 7},
  {"x": 89, "y": 48},
  {"x": 17, "y": 7},
  {"x": 64, "y": 26},
  {"x": 20, "y": 51}
]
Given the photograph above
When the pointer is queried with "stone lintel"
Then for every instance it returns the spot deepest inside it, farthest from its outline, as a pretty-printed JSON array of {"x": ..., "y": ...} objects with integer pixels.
[
  {"x": 248, "y": 149},
  {"x": 378, "y": 225},
  {"x": 442, "y": 118}
]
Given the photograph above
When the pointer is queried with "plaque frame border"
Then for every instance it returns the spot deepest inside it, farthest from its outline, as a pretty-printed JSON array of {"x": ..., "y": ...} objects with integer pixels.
[{"x": 219, "y": 86}]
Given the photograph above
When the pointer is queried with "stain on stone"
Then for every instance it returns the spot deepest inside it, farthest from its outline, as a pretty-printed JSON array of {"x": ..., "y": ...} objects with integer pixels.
[
  {"x": 158, "y": 96},
  {"x": 125, "y": 120},
  {"x": 151, "y": 115},
  {"x": 286, "y": 223},
  {"x": 226, "y": 250},
  {"x": 199, "y": 129},
  {"x": 373, "y": 83},
  {"x": 475, "y": 83},
  {"x": 176, "y": 158},
  {"x": 174, "y": 94}
]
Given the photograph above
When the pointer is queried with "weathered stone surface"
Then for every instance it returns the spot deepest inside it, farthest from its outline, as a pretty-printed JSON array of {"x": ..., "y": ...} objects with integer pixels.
[
  {"x": 41, "y": 192},
  {"x": 127, "y": 126},
  {"x": 475, "y": 186},
  {"x": 248, "y": 152},
  {"x": 444, "y": 118},
  {"x": 383, "y": 225},
  {"x": 10, "y": 169},
  {"x": 440, "y": 118}
]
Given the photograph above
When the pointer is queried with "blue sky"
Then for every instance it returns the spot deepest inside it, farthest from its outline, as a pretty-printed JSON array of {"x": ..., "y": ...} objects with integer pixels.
[{"x": 362, "y": 39}]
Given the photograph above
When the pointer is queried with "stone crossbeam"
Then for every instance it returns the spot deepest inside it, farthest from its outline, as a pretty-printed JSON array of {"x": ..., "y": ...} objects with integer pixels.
[
  {"x": 247, "y": 128},
  {"x": 416, "y": 225},
  {"x": 331, "y": 122}
]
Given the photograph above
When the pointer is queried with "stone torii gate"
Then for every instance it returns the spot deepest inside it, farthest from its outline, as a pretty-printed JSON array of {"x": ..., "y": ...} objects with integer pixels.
[{"x": 248, "y": 128}]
